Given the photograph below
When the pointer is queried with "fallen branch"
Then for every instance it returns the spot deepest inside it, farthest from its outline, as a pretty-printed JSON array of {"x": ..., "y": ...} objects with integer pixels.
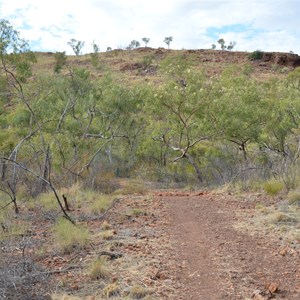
[{"x": 112, "y": 255}]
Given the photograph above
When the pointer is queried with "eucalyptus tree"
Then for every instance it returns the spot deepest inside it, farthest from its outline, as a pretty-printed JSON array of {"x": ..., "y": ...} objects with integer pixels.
[
  {"x": 168, "y": 40},
  {"x": 222, "y": 44},
  {"x": 146, "y": 41},
  {"x": 76, "y": 46},
  {"x": 133, "y": 44}
]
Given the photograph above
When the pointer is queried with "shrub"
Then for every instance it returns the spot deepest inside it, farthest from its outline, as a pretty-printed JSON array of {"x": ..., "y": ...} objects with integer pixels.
[
  {"x": 100, "y": 203},
  {"x": 273, "y": 187},
  {"x": 69, "y": 236},
  {"x": 257, "y": 54},
  {"x": 48, "y": 201}
]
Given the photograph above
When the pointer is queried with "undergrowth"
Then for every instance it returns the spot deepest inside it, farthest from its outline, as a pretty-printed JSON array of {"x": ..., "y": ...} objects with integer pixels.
[{"x": 70, "y": 237}]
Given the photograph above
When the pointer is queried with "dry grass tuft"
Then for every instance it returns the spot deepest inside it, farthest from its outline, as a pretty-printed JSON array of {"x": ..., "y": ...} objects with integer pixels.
[
  {"x": 294, "y": 197},
  {"x": 131, "y": 187},
  {"x": 70, "y": 237},
  {"x": 105, "y": 225},
  {"x": 48, "y": 201},
  {"x": 111, "y": 290},
  {"x": 138, "y": 292},
  {"x": 280, "y": 217},
  {"x": 99, "y": 203},
  {"x": 99, "y": 269},
  {"x": 107, "y": 234},
  {"x": 273, "y": 187}
]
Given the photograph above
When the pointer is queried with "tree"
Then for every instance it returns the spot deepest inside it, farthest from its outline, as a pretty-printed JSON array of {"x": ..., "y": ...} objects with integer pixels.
[
  {"x": 24, "y": 124},
  {"x": 76, "y": 46},
  {"x": 239, "y": 119},
  {"x": 213, "y": 46},
  {"x": 168, "y": 41},
  {"x": 231, "y": 45},
  {"x": 222, "y": 44},
  {"x": 133, "y": 44},
  {"x": 16, "y": 60},
  {"x": 146, "y": 41},
  {"x": 180, "y": 115}
]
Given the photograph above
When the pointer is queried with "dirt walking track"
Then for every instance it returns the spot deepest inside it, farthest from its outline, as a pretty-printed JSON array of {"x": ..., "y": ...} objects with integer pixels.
[{"x": 214, "y": 260}]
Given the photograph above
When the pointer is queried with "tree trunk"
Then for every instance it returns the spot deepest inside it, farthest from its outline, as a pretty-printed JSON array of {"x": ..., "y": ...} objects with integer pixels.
[{"x": 196, "y": 168}]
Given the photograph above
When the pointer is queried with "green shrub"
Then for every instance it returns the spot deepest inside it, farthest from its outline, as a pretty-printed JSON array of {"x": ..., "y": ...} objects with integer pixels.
[
  {"x": 257, "y": 54},
  {"x": 69, "y": 236},
  {"x": 99, "y": 203},
  {"x": 273, "y": 187},
  {"x": 48, "y": 201}
]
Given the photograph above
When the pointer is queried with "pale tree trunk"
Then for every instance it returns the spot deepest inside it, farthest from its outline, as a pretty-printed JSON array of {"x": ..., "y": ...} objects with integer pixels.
[{"x": 195, "y": 166}]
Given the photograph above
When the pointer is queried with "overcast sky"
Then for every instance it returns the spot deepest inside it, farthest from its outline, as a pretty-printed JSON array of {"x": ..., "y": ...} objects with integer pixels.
[{"x": 268, "y": 25}]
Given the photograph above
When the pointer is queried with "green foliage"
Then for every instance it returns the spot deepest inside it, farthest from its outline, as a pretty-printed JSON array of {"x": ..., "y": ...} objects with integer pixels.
[
  {"x": 60, "y": 61},
  {"x": 293, "y": 79},
  {"x": 99, "y": 128},
  {"x": 48, "y": 201},
  {"x": 257, "y": 54},
  {"x": 240, "y": 107},
  {"x": 16, "y": 58}
]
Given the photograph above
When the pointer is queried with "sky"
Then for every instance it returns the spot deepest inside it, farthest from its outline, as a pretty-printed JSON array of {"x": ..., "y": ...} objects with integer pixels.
[{"x": 267, "y": 25}]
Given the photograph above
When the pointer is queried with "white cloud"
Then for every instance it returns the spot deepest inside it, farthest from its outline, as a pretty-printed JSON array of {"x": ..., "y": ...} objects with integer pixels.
[{"x": 49, "y": 25}]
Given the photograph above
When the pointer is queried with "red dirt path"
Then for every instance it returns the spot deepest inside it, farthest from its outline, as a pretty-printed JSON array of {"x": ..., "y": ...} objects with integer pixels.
[{"x": 216, "y": 261}]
